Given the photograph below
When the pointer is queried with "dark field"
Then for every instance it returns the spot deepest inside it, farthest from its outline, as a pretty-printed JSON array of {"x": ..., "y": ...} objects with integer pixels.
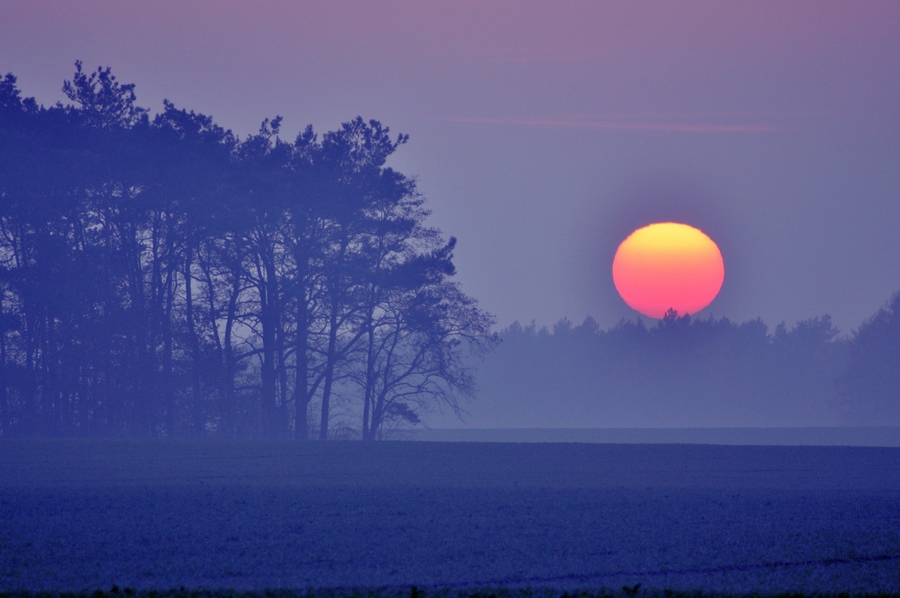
[{"x": 447, "y": 517}]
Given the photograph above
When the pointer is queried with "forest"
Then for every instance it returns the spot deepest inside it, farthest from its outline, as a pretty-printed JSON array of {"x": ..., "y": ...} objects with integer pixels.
[
  {"x": 684, "y": 371},
  {"x": 160, "y": 276}
]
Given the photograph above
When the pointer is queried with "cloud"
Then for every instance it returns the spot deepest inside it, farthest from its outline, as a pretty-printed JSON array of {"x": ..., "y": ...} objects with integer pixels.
[{"x": 622, "y": 126}]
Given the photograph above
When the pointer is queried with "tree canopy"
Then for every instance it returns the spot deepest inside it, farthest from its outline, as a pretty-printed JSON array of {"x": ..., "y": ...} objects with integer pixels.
[
  {"x": 680, "y": 371},
  {"x": 869, "y": 384},
  {"x": 161, "y": 276}
]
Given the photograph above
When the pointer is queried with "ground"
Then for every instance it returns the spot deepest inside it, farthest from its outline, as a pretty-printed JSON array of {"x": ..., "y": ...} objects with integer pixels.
[{"x": 82, "y": 515}]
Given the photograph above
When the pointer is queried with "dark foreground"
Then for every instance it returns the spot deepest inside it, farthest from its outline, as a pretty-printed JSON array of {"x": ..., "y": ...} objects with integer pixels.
[
  {"x": 448, "y": 518},
  {"x": 414, "y": 592}
]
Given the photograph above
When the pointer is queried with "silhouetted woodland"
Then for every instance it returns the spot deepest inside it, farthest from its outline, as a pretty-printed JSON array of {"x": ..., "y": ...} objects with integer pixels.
[
  {"x": 868, "y": 386},
  {"x": 160, "y": 276},
  {"x": 687, "y": 372}
]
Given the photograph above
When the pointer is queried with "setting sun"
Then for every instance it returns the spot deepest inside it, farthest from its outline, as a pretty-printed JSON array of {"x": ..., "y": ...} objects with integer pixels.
[{"x": 668, "y": 266}]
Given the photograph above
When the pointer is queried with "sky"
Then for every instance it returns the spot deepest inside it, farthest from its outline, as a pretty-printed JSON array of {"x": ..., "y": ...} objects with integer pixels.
[{"x": 543, "y": 133}]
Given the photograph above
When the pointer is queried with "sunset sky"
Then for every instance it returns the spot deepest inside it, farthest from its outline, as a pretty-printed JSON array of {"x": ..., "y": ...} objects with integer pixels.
[{"x": 543, "y": 133}]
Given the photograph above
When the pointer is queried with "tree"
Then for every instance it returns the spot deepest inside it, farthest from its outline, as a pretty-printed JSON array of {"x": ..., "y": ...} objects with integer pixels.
[
  {"x": 192, "y": 156},
  {"x": 868, "y": 390},
  {"x": 418, "y": 354},
  {"x": 163, "y": 277},
  {"x": 102, "y": 101},
  {"x": 354, "y": 183}
]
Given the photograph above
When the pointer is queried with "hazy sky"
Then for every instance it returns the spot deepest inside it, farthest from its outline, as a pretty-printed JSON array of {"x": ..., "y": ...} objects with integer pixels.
[{"x": 542, "y": 133}]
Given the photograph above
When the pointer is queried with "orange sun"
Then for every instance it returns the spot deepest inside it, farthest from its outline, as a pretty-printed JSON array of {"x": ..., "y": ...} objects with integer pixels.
[{"x": 668, "y": 266}]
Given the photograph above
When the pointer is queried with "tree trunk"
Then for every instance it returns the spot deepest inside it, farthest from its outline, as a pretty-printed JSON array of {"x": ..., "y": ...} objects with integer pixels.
[
  {"x": 330, "y": 357},
  {"x": 302, "y": 392},
  {"x": 228, "y": 394},
  {"x": 197, "y": 422},
  {"x": 4, "y": 396},
  {"x": 270, "y": 320},
  {"x": 368, "y": 395},
  {"x": 301, "y": 378}
]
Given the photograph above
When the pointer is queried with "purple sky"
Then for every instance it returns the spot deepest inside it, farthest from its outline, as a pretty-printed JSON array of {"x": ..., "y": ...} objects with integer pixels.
[{"x": 543, "y": 133}]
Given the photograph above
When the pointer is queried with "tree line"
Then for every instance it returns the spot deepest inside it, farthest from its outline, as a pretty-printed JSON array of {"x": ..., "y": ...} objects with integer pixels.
[
  {"x": 161, "y": 276},
  {"x": 686, "y": 372}
]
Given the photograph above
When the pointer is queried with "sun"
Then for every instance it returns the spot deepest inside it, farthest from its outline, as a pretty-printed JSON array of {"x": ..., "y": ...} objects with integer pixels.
[{"x": 668, "y": 265}]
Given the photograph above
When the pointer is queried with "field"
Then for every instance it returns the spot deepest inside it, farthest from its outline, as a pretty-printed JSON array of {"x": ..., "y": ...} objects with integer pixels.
[{"x": 81, "y": 515}]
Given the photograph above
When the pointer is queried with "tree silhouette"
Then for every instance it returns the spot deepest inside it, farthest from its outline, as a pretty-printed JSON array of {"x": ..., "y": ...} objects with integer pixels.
[
  {"x": 680, "y": 371},
  {"x": 160, "y": 276},
  {"x": 869, "y": 387},
  {"x": 102, "y": 101}
]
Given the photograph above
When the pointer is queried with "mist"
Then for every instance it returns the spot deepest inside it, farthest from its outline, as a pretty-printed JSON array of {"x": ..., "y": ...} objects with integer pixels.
[
  {"x": 685, "y": 372},
  {"x": 286, "y": 288}
]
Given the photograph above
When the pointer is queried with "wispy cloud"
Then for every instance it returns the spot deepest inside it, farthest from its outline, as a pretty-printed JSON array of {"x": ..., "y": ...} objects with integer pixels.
[{"x": 622, "y": 126}]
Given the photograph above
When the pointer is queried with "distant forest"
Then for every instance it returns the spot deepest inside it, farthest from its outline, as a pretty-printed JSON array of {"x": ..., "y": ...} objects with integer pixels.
[
  {"x": 689, "y": 372},
  {"x": 161, "y": 277}
]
